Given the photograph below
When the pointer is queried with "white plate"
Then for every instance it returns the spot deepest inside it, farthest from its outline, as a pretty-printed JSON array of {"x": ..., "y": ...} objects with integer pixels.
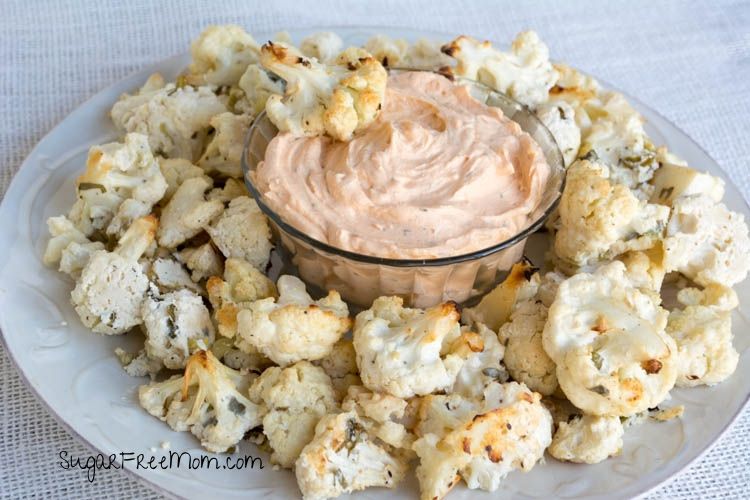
[{"x": 75, "y": 374}]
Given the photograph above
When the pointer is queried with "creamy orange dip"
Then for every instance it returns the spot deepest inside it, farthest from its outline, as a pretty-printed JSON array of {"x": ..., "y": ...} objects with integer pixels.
[{"x": 437, "y": 174}]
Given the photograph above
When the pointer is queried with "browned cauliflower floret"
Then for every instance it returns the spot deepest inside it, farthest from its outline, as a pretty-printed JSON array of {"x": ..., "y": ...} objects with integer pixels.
[
  {"x": 383, "y": 416},
  {"x": 483, "y": 363},
  {"x": 293, "y": 327},
  {"x": 336, "y": 99},
  {"x": 242, "y": 231},
  {"x": 221, "y": 54},
  {"x": 295, "y": 399},
  {"x": 187, "y": 213},
  {"x": 258, "y": 85},
  {"x": 222, "y": 155}
]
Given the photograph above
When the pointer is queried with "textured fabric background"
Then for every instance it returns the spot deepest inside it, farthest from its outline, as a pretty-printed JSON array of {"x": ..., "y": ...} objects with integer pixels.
[{"x": 688, "y": 60}]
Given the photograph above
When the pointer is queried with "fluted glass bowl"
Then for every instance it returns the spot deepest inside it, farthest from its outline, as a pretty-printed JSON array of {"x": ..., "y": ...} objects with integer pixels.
[{"x": 421, "y": 282}]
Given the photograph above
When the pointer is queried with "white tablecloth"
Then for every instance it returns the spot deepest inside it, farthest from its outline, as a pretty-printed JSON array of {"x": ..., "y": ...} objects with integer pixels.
[{"x": 688, "y": 60}]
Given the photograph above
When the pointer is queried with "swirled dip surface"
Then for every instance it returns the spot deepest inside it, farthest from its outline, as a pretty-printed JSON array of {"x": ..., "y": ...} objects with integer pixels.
[{"x": 438, "y": 174}]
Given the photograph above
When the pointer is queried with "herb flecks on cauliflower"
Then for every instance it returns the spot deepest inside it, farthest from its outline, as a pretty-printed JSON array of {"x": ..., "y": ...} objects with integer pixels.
[
  {"x": 559, "y": 118},
  {"x": 483, "y": 361},
  {"x": 222, "y": 154},
  {"x": 336, "y": 99},
  {"x": 407, "y": 352},
  {"x": 587, "y": 439},
  {"x": 293, "y": 327}
]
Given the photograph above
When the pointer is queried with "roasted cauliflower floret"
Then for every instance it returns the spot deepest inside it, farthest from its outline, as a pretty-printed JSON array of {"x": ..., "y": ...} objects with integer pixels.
[
  {"x": 187, "y": 213},
  {"x": 587, "y": 439},
  {"x": 68, "y": 248},
  {"x": 112, "y": 287},
  {"x": 524, "y": 73},
  {"x": 406, "y": 352},
  {"x": 242, "y": 285},
  {"x": 242, "y": 232},
  {"x": 341, "y": 365},
  {"x": 509, "y": 429},
  {"x": 176, "y": 324},
  {"x": 231, "y": 189},
  {"x": 559, "y": 118},
  {"x": 600, "y": 219},
  {"x": 525, "y": 357},
  {"x": 383, "y": 417},
  {"x": 343, "y": 458},
  {"x": 222, "y": 155},
  {"x": 258, "y": 85},
  {"x": 203, "y": 261},
  {"x": 398, "y": 53},
  {"x": 122, "y": 182},
  {"x": 607, "y": 339},
  {"x": 391, "y": 52},
  {"x": 484, "y": 361},
  {"x": 295, "y": 399},
  {"x": 175, "y": 119},
  {"x": 703, "y": 333},
  {"x": 646, "y": 269},
  {"x": 323, "y": 46},
  {"x": 138, "y": 364},
  {"x": 673, "y": 180},
  {"x": 336, "y": 99},
  {"x": 494, "y": 309},
  {"x": 221, "y": 54},
  {"x": 208, "y": 400},
  {"x": 169, "y": 275},
  {"x": 707, "y": 242},
  {"x": 175, "y": 172},
  {"x": 293, "y": 327}
]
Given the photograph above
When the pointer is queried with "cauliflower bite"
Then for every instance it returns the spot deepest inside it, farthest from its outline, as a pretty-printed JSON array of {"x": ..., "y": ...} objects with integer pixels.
[
  {"x": 293, "y": 327},
  {"x": 341, "y": 365},
  {"x": 221, "y": 54},
  {"x": 391, "y": 52},
  {"x": 295, "y": 399},
  {"x": 203, "y": 261},
  {"x": 494, "y": 309},
  {"x": 242, "y": 232},
  {"x": 581, "y": 92},
  {"x": 397, "y": 53},
  {"x": 231, "y": 189},
  {"x": 646, "y": 268},
  {"x": 176, "y": 324},
  {"x": 525, "y": 358},
  {"x": 138, "y": 364},
  {"x": 242, "y": 285},
  {"x": 509, "y": 430},
  {"x": 187, "y": 213},
  {"x": 175, "y": 172},
  {"x": 524, "y": 73},
  {"x": 608, "y": 341},
  {"x": 68, "y": 248},
  {"x": 707, "y": 242},
  {"x": 175, "y": 118},
  {"x": 383, "y": 416},
  {"x": 343, "y": 457},
  {"x": 222, "y": 155},
  {"x": 323, "y": 46},
  {"x": 406, "y": 352},
  {"x": 336, "y": 99},
  {"x": 600, "y": 219},
  {"x": 484, "y": 361},
  {"x": 587, "y": 439},
  {"x": 208, "y": 400},
  {"x": 559, "y": 118},
  {"x": 169, "y": 275},
  {"x": 258, "y": 85},
  {"x": 122, "y": 182},
  {"x": 112, "y": 287},
  {"x": 703, "y": 333},
  {"x": 673, "y": 180}
]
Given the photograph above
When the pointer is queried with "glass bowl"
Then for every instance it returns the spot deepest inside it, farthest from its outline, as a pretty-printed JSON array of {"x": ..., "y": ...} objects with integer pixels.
[{"x": 420, "y": 282}]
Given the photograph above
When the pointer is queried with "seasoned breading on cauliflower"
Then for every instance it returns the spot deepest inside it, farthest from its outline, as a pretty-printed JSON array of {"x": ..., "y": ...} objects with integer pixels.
[
  {"x": 607, "y": 338},
  {"x": 175, "y": 172},
  {"x": 242, "y": 232},
  {"x": 258, "y": 85},
  {"x": 484, "y": 361},
  {"x": 337, "y": 99},
  {"x": 383, "y": 417},
  {"x": 295, "y": 399},
  {"x": 68, "y": 248},
  {"x": 122, "y": 182},
  {"x": 587, "y": 439},
  {"x": 509, "y": 430},
  {"x": 407, "y": 352},
  {"x": 112, "y": 287},
  {"x": 221, "y": 54},
  {"x": 703, "y": 333},
  {"x": 341, "y": 365},
  {"x": 673, "y": 180},
  {"x": 208, "y": 400},
  {"x": 525, "y": 358},
  {"x": 203, "y": 261},
  {"x": 494, "y": 309},
  {"x": 524, "y": 73},
  {"x": 707, "y": 242},
  {"x": 600, "y": 219},
  {"x": 176, "y": 324},
  {"x": 323, "y": 46},
  {"x": 169, "y": 275},
  {"x": 559, "y": 118},
  {"x": 222, "y": 155},
  {"x": 343, "y": 458},
  {"x": 293, "y": 327},
  {"x": 187, "y": 213},
  {"x": 175, "y": 118}
]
